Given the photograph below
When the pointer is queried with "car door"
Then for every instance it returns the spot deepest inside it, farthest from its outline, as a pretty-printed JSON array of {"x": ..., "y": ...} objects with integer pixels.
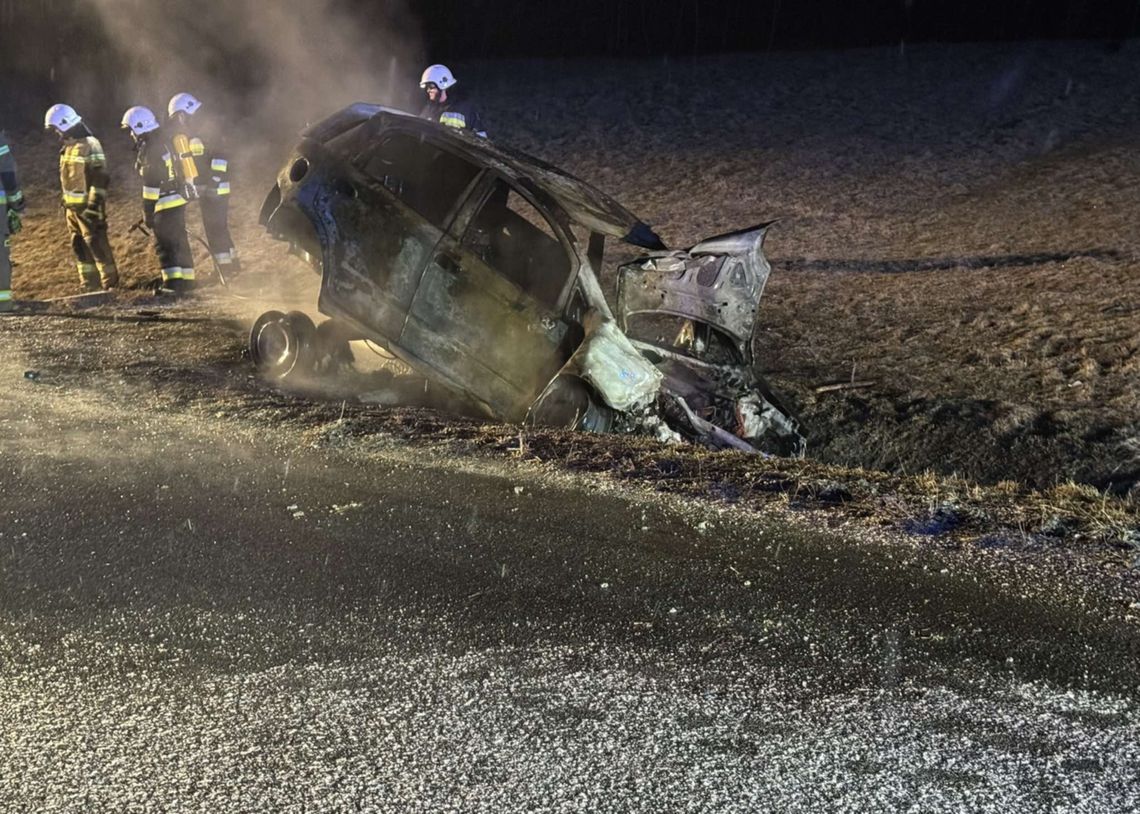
[
  {"x": 487, "y": 311},
  {"x": 391, "y": 216}
]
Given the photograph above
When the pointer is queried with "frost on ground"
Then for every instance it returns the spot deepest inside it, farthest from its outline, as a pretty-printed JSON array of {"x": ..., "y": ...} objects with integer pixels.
[
  {"x": 957, "y": 229},
  {"x": 558, "y": 729}
]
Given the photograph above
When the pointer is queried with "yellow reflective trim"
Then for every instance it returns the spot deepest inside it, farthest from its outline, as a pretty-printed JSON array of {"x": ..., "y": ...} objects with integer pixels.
[
  {"x": 5, "y": 149},
  {"x": 219, "y": 165},
  {"x": 224, "y": 188},
  {"x": 5, "y": 296},
  {"x": 3, "y": 197},
  {"x": 169, "y": 202},
  {"x": 150, "y": 193},
  {"x": 196, "y": 146},
  {"x": 74, "y": 197}
]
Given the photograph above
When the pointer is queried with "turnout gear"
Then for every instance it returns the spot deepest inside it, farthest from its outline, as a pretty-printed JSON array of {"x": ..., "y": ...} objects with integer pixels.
[
  {"x": 438, "y": 75},
  {"x": 93, "y": 217},
  {"x": 456, "y": 109},
  {"x": 164, "y": 206},
  {"x": 212, "y": 186},
  {"x": 83, "y": 181},
  {"x": 11, "y": 204}
]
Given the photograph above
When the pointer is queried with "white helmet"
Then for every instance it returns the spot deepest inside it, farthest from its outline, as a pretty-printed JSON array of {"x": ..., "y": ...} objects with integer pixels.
[
  {"x": 139, "y": 120},
  {"x": 61, "y": 118},
  {"x": 182, "y": 103},
  {"x": 438, "y": 75}
]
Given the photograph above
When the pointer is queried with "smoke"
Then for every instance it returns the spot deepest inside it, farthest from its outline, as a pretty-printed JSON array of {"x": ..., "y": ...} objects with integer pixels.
[
  {"x": 269, "y": 66},
  {"x": 262, "y": 68}
]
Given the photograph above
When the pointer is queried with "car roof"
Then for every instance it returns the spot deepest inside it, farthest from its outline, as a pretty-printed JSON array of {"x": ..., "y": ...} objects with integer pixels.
[{"x": 582, "y": 202}]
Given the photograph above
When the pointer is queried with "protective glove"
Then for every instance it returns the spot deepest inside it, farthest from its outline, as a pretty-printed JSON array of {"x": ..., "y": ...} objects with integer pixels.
[
  {"x": 93, "y": 216},
  {"x": 15, "y": 223}
]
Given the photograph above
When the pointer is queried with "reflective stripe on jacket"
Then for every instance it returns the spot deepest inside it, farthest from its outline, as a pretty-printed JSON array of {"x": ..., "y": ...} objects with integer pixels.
[
  {"x": 162, "y": 187},
  {"x": 210, "y": 153},
  {"x": 83, "y": 176}
]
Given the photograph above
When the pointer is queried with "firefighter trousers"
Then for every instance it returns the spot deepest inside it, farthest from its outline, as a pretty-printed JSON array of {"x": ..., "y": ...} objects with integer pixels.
[
  {"x": 5, "y": 263},
  {"x": 173, "y": 249},
  {"x": 93, "y": 255},
  {"x": 215, "y": 222}
]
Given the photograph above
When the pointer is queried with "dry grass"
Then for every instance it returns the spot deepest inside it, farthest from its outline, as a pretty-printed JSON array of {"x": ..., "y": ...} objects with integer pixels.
[{"x": 981, "y": 268}]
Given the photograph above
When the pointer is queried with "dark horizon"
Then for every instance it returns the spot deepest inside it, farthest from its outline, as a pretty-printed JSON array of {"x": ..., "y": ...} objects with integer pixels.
[
  {"x": 106, "y": 53},
  {"x": 678, "y": 28}
]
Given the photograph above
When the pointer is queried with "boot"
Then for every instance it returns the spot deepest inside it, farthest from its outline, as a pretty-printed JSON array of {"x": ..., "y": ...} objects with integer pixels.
[{"x": 109, "y": 277}]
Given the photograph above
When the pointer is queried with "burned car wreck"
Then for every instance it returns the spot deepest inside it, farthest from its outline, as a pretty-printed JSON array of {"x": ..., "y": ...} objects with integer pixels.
[{"x": 480, "y": 268}]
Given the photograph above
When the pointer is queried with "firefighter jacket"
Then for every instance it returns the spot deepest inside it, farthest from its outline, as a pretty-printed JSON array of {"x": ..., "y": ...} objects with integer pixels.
[
  {"x": 212, "y": 159},
  {"x": 162, "y": 186},
  {"x": 459, "y": 111},
  {"x": 11, "y": 196},
  {"x": 83, "y": 176}
]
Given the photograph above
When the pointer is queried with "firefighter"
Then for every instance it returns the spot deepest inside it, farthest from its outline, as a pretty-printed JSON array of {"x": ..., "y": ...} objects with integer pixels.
[
  {"x": 447, "y": 104},
  {"x": 210, "y": 169},
  {"x": 83, "y": 180},
  {"x": 164, "y": 204},
  {"x": 11, "y": 205}
]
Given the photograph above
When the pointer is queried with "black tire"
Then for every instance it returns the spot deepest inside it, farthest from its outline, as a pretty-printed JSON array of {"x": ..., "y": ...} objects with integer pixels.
[
  {"x": 332, "y": 344},
  {"x": 283, "y": 346}
]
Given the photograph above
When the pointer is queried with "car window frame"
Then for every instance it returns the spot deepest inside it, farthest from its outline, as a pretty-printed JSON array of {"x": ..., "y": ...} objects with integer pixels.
[
  {"x": 381, "y": 136},
  {"x": 478, "y": 197}
]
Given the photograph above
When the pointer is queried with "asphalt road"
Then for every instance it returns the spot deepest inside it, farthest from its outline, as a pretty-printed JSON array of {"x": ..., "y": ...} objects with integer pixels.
[{"x": 202, "y": 613}]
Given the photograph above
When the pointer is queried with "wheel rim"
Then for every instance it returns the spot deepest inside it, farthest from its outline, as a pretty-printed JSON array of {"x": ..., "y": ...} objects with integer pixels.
[{"x": 274, "y": 345}]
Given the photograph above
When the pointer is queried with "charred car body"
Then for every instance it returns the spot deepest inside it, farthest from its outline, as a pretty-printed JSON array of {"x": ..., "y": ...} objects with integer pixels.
[{"x": 480, "y": 268}]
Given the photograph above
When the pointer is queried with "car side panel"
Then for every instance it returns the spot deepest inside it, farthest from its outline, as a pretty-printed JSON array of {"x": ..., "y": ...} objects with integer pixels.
[
  {"x": 374, "y": 261},
  {"x": 482, "y": 333}
]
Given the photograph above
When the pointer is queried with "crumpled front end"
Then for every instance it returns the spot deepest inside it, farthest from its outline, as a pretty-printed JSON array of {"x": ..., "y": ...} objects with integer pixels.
[{"x": 692, "y": 314}]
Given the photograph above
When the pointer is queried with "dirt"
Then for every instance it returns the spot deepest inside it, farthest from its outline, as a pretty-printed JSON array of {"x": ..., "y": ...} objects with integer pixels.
[{"x": 956, "y": 240}]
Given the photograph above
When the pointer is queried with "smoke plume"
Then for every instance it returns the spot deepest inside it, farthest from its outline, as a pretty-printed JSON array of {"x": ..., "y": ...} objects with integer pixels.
[{"x": 271, "y": 66}]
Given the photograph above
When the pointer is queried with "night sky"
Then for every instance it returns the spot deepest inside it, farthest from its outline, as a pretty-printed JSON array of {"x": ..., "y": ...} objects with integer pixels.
[
  {"x": 102, "y": 52},
  {"x": 489, "y": 28}
]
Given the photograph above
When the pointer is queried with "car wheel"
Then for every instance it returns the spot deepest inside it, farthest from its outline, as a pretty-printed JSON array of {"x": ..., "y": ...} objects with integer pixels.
[
  {"x": 333, "y": 350},
  {"x": 283, "y": 346}
]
